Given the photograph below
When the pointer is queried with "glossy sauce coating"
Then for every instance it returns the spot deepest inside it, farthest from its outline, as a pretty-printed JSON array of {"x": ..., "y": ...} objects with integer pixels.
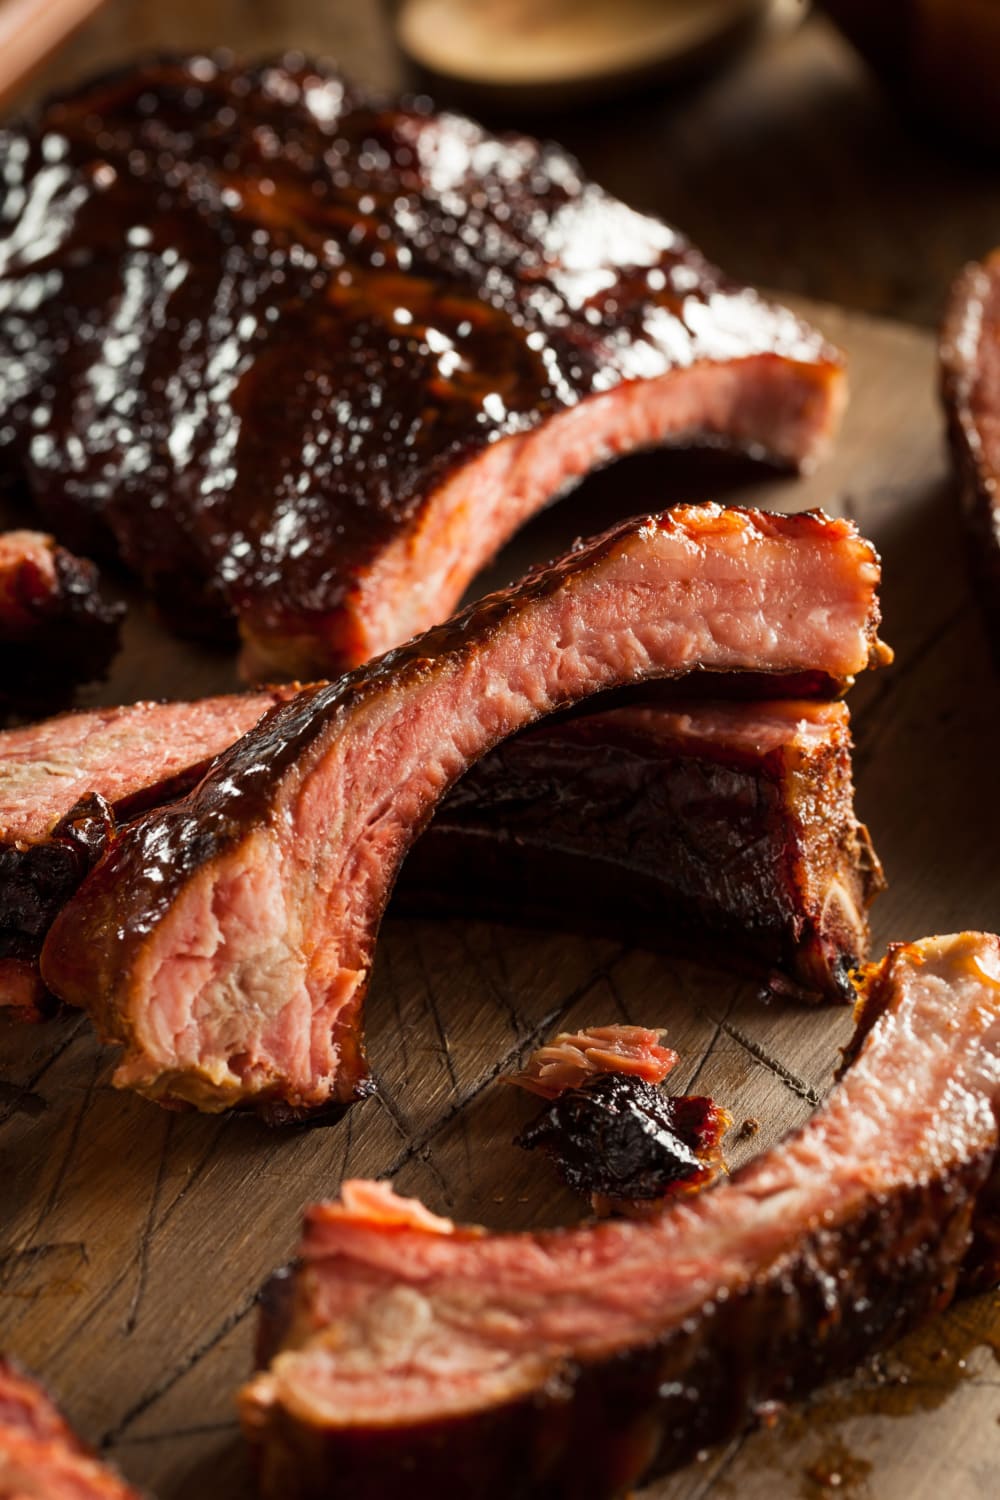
[
  {"x": 250, "y": 320},
  {"x": 624, "y": 1143}
]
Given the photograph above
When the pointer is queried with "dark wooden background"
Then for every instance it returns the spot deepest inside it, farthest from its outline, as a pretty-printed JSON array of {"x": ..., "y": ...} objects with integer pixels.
[{"x": 132, "y": 1241}]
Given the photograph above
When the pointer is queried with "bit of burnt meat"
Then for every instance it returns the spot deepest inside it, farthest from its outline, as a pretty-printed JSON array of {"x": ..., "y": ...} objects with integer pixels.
[
  {"x": 567, "y": 1364},
  {"x": 56, "y": 630},
  {"x": 613, "y": 1136},
  {"x": 619, "y": 1140},
  {"x": 970, "y": 387},
  {"x": 718, "y": 829},
  {"x": 225, "y": 942},
  {"x": 41, "y": 1458},
  {"x": 702, "y": 1123},
  {"x": 65, "y": 786},
  {"x": 459, "y": 324},
  {"x": 574, "y": 1057}
]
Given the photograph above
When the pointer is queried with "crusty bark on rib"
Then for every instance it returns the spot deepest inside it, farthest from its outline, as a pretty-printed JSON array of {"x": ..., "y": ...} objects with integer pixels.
[
  {"x": 459, "y": 326},
  {"x": 226, "y": 942},
  {"x": 67, "y": 783},
  {"x": 970, "y": 388},
  {"x": 56, "y": 630},
  {"x": 41, "y": 1458},
  {"x": 566, "y": 1365},
  {"x": 718, "y": 828}
]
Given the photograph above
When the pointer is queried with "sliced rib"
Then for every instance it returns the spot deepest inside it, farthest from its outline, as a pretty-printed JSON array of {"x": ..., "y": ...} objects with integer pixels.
[
  {"x": 566, "y": 1365},
  {"x": 64, "y": 785},
  {"x": 226, "y": 942},
  {"x": 56, "y": 630},
  {"x": 725, "y": 829},
  {"x": 722, "y": 829},
  {"x": 356, "y": 343}
]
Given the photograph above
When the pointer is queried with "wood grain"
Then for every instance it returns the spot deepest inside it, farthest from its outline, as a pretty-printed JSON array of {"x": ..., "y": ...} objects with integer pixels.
[{"x": 132, "y": 1242}]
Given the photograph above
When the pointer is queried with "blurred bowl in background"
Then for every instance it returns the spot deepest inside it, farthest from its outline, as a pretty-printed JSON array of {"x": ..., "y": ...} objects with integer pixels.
[
  {"x": 551, "y": 54},
  {"x": 940, "y": 57}
]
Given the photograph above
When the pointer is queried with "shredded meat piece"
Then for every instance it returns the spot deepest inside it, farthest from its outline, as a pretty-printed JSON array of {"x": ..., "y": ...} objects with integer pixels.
[{"x": 574, "y": 1056}]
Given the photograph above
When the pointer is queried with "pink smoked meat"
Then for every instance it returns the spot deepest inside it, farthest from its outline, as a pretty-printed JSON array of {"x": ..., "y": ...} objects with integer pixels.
[
  {"x": 726, "y": 830},
  {"x": 64, "y": 786},
  {"x": 357, "y": 342},
  {"x": 225, "y": 943},
  {"x": 417, "y": 1357},
  {"x": 41, "y": 1458},
  {"x": 574, "y": 1056}
]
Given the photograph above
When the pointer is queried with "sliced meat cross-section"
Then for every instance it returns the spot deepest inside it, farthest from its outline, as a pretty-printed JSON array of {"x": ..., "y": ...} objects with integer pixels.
[
  {"x": 418, "y": 1356},
  {"x": 226, "y": 942},
  {"x": 574, "y": 1057},
  {"x": 720, "y": 829},
  {"x": 66, "y": 782}
]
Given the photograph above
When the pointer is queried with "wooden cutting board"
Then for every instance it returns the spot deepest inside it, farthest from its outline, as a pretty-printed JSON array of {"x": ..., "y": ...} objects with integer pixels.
[{"x": 133, "y": 1241}]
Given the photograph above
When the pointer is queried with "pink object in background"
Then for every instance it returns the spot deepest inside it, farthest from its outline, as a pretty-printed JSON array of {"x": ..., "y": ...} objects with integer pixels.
[{"x": 30, "y": 30}]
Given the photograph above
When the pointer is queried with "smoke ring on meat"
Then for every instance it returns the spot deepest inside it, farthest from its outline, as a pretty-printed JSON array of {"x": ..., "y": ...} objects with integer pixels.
[
  {"x": 226, "y": 941},
  {"x": 409, "y": 1352},
  {"x": 709, "y": 828}
]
